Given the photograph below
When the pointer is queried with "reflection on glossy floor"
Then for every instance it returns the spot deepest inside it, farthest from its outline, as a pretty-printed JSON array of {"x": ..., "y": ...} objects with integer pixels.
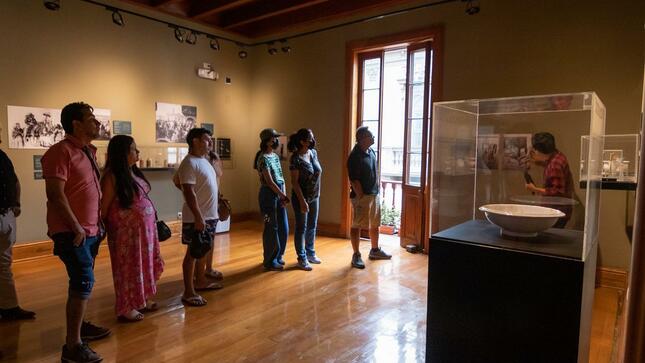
[{"x": 333, "y": 313}]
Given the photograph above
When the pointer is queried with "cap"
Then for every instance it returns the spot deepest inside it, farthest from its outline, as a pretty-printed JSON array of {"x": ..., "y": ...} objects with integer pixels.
[{"x": 268, "y": 134}]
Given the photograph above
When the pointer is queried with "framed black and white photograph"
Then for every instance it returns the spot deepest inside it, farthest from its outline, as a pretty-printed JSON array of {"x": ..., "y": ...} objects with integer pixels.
[
  {"x": 174, "y": 121},
  {"x": 516, "y": 151},
  {"x": 210, "y": 127},
  {"x": 282, "y": 149},
  {"x": 33, "y": 127},
  {"x": 224, "y": 148},
  {"x": 104, "y": 117},
  {"x": 488, "y": 151}
]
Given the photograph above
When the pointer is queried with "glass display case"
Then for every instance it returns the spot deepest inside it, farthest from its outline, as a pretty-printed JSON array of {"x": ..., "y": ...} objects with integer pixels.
[
  {"x": 482, "y": 154},
  {"x": 150, "y": 157},
  {"x": 620, "y": 158}
]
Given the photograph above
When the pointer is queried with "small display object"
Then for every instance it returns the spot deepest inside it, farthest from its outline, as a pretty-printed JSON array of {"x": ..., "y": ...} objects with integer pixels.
[
  {"x": 483, "y": 154},
  {"x": 620, "y": 157}
]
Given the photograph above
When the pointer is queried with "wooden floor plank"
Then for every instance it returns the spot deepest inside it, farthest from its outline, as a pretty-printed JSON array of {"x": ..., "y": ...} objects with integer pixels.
[{"x": 332, "y": 314}]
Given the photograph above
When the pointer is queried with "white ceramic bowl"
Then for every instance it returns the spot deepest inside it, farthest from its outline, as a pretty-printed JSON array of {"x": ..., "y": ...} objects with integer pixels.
[{"x": 521, "y": 220}]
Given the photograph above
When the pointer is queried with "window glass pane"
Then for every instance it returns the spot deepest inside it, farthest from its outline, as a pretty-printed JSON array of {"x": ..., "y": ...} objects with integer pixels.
[
  {"x": 393, "y": 115},
  {"x": 416, "y": 135},
  {"x": 418, "y": 65},
  {"x": 416, "y": 101},
  {"x": 414, "y": 169},
  {"x": 372, "y": 73},
  {"x": 370, "y": 105}
]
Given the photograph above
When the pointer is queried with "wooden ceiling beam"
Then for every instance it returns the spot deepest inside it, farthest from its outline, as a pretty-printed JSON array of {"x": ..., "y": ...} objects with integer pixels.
[
  {"x": 232, "y": 22},
  {"x": 203, "y": 13}
]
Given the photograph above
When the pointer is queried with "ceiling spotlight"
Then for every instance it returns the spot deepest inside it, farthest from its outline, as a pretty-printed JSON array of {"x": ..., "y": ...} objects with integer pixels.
[
  {"x": 117, "y": 18},
  {"x": 179, "y": 35},
  {"x": 271, "y": 48},
  {"x": 191, "y": 38},
  {"x": 472, "y": 7},
  {"x": 52, "y": 4},
  {"x": 285, "y": 47},
  {"x": 214, "y": 43},
  {"x": 242, "y": 54}
]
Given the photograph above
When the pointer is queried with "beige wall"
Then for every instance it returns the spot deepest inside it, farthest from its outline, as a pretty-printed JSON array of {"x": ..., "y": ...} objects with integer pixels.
[
  {"x": 52, "y": 58},
  {"x": 511, "y": 48}
]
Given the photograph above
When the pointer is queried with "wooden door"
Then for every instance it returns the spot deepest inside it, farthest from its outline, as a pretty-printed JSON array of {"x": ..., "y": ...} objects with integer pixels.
[{"x": 416, "y": 146}]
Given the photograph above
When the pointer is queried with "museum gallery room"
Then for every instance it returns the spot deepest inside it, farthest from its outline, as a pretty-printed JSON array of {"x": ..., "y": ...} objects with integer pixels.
[{"x": 322, "y": 181}]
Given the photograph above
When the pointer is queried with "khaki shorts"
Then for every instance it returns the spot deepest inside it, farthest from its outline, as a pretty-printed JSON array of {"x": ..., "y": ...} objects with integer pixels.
[{"x": 367, "y": 212}]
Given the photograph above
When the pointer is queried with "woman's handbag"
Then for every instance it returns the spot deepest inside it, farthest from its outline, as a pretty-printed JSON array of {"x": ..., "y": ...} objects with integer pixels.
[
  {"x": 223, "y": 208},
  {"x": 163, "y": 231},
  {"x": 200, "y": 244}
]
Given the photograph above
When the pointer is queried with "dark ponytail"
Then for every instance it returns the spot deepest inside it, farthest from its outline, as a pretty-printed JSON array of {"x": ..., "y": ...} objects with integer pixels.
[{"x": 257, "y": 155}]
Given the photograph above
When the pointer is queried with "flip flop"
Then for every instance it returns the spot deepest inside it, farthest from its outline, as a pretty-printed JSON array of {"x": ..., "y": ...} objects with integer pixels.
[
  {"x": 125, "y": 319},
  {"x": 217, "y": 275},
  {"x": 153, "y": 306},
  {"x": 194, "y": 301},
  {"x": 211, "y": 286}
]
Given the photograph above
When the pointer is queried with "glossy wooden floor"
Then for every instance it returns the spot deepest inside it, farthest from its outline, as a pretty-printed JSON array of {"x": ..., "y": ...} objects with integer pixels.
[{"x": 332, "y": 314}]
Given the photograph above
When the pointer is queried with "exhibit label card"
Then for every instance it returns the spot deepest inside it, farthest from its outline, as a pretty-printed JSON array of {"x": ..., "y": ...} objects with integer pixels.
[{"x": 122, "y": 127}]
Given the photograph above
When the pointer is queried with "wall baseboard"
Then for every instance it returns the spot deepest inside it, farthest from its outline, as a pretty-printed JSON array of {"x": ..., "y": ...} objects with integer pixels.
[
  {"x": 38, "y": 249},
  {"x": 611, "y": 277}
]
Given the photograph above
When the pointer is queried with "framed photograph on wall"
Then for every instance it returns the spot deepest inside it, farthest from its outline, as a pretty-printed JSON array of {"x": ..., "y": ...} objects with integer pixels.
[
  {"x": 488, "y": 151},
  {"x": 282, "y": 149},
  {"x": 33, "y": 127},
  {"x": 174, "y": 121},
  {"x": 224, "y": 148},
  {"x": 516, "y": 151}
]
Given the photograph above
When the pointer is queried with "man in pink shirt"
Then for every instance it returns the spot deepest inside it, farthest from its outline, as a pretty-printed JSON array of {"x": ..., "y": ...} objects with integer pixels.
[{"x": 74, "y": 222}]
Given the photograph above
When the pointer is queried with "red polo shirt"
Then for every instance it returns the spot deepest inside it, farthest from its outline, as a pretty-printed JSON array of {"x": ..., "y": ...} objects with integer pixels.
[{"x": 67, "y": 161}]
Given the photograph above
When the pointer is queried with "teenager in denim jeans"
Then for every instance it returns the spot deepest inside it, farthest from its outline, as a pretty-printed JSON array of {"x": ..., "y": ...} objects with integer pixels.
[
  {"x": 305, "y": 180},
  {"x": 273, "y": 200},
  {"x": 74, "y": 223}
]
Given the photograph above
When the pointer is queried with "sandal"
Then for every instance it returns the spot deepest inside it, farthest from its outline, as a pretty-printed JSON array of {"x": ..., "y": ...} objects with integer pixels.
[
  {"x": 151, "y": 306},
  {"x": 126, "y": 319},
  {"x": 211, "y": 286},
  {"x": 214, "y": 274},
  {"x": 194, "y": 301}
]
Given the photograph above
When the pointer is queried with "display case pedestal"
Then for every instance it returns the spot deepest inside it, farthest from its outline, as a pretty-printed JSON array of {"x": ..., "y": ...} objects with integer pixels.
[{"x": 495, "y": 299}]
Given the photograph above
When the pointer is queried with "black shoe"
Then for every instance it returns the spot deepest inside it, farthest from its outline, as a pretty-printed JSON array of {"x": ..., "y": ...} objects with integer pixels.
[
  {"x": 17, "y": 313},
  {"x": 81, "y": 353},
  {"x": 90, "y": 331},
  {"x": 379, "y": 254},
  {"x": 357, "y": 261}
]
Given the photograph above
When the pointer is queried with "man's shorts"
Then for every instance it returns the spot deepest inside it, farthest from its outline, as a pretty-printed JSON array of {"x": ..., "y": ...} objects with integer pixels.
[
  {"x": 367, "y": 212},
  {"x": 79, "y": 262},
  {"x": 188, "y": 228}
]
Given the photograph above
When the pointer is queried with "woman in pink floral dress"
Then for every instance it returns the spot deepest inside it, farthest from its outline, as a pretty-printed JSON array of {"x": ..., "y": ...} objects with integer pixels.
[{"x": 129, "y": 216}]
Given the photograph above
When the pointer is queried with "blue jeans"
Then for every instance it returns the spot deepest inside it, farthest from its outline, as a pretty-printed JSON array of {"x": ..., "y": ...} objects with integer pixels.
[
  {"x": 306, "y": 223},
  {"x": 276, "y": 225},
  {"x": 79, "y": 262}
]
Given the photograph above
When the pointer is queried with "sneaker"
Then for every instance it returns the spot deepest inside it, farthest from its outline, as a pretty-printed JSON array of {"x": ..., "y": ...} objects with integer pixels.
[
  {"x": 90, "y": 331},
  {"x": 379, "y": 254},
  {"x": 314, "y": 259},
  {"x": 357, "y": 261},
  {"x": 17, "y": 313},
  {"x": 281, "y": 261},
  {"x": 304, "y": 265},
  {"x": 274, "y": 267},
  {"x": 80, "y": 353}
]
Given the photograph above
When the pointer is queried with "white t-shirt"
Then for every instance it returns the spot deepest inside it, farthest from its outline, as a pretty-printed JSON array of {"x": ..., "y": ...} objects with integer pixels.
[{"x": 200, "y": 173}]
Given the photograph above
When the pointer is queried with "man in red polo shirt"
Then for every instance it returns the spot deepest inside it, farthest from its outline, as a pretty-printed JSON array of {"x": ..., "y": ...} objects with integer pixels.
[{"x": 74, "y": 222}]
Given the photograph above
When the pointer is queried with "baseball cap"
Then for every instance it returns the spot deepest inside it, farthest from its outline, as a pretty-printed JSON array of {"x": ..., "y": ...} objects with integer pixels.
[{"x": 269, "y": 133}]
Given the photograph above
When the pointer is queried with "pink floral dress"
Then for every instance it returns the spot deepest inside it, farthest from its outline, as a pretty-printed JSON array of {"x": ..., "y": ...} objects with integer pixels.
[{"x": 134, "y": 251}]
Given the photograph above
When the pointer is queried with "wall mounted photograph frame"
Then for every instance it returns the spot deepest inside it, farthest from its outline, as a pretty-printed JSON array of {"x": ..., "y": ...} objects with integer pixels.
[
  {"x": 173, "y": 122},
  {"x": 516, "y": 151},
  {"x": 224, "y": 148},
  {"x": 33, "y": 127}
]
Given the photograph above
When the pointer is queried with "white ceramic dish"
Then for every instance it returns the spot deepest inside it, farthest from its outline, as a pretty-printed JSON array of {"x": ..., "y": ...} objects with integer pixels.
[{"x": 519, "y": 220}]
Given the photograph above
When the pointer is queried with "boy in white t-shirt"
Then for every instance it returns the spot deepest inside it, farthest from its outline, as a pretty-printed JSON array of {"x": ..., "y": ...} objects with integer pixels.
[{"x": 199, "y": 186}]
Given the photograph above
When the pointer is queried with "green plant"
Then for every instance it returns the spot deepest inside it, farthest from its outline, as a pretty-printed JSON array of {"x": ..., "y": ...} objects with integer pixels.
[{"x": 389, "y": 215}]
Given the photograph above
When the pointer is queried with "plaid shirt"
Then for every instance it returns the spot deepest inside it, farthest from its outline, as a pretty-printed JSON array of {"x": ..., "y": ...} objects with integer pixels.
[{"x": 558, "y": 180}]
